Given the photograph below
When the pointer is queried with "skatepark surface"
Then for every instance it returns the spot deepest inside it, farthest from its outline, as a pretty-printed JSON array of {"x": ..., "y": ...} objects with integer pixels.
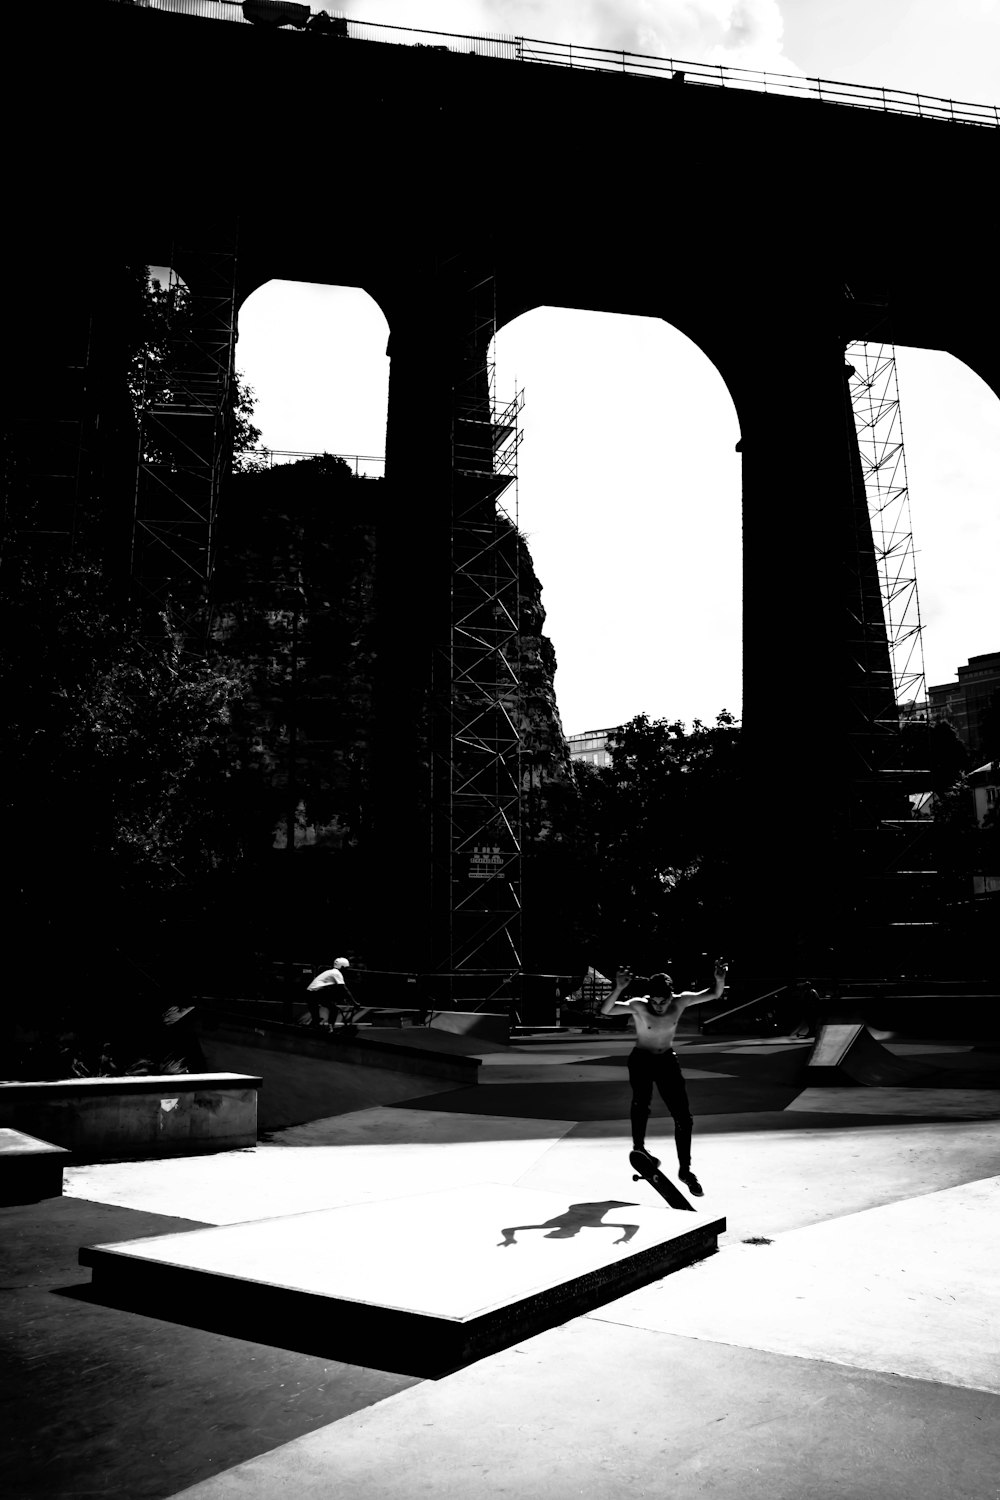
[{"x": 843, "y": 1342}]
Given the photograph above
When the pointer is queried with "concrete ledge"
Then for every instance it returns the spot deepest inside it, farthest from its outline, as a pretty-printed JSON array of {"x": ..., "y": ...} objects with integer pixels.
[
  {"x": 309, "y": 1077},
  {"x": 30, "y": 1169},
  {"x": 114, "y": 1119},
  {"x": 420, "y": 1285},
  {"x": 360, "y": 1050}
]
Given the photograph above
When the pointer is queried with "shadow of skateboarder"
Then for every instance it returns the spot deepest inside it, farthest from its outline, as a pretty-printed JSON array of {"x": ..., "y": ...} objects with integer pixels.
[{"x": 578, "y": 1216}]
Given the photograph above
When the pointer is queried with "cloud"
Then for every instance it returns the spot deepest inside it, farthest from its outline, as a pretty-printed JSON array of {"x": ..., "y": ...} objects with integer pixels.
[{"x": 740, "y": 33}]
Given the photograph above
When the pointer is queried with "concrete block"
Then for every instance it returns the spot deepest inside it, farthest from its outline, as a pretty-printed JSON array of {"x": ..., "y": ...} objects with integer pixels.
[
  {"x": 114, "y": 1119},
  {"x": 30, "y": 1168},
  {"x": 418, "y": 1284}
]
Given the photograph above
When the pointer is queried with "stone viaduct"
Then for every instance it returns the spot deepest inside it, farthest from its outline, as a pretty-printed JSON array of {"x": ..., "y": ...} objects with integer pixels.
[{"x": 770, "y": 230}]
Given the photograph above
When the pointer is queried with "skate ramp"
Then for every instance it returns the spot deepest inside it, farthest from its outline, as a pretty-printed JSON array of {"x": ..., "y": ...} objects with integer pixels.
[
  {"x": 305, "y": 1079},
  {"x": 846, "y": 1054}
]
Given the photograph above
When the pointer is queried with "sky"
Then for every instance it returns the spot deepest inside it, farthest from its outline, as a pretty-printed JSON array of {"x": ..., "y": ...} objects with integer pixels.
[{"x": 606, "y": 397}]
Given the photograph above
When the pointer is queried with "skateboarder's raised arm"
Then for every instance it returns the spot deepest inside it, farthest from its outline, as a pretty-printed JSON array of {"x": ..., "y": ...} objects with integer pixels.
[
  {"x": 698, "y": 997},
  {"x": 622, "y": 981}
]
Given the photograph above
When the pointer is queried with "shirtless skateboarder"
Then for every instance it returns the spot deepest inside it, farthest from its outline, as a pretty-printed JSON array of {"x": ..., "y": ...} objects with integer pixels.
[{"x": 654, "y": 1061}]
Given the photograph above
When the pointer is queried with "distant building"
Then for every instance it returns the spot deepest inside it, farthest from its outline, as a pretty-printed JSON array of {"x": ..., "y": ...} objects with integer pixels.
[
  {"x": 913, "y": 711},
  {"x": 967, "y": 701},
  {"x": 985, "y": 785},
  {"x": 592, "y": 746}
]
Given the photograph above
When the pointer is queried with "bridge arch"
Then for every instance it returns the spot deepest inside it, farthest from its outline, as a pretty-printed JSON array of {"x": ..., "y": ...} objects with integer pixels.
[
  {"x": 630, "y": 495},
  {"x": 290, "y": 333},
  {"x": 949, "y": 411}
]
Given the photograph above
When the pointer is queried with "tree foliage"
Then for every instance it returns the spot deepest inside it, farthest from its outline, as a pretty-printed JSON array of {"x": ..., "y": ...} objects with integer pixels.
[
  {"x": 246, "y": 435},
  {"x": 162, "y": 329},
  {"x": 663, "y": 820},
  {"x": 124, "y": 779},
  {"x": 132, "y": 785},
  {"x": 935, "y": 748}
]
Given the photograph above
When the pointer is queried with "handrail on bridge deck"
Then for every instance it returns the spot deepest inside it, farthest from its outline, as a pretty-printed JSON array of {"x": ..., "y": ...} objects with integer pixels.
[
  {"x": 607, "y": 60},
  {"x": 364, "y": 465}
]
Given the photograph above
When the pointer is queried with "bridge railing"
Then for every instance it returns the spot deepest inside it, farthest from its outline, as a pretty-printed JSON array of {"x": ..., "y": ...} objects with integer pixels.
[
  {"x": 364, "y": 465},
  {"x": 718, "y": 75},
  {"x": 606, "y": 60}
]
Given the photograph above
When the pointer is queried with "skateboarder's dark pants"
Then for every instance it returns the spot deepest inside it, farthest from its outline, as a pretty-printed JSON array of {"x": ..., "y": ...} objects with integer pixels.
[{"x": 662, "y": 1069}]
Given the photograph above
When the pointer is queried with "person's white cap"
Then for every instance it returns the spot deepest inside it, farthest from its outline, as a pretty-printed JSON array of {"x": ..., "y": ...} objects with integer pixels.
[{"x": 341, "y": 963}]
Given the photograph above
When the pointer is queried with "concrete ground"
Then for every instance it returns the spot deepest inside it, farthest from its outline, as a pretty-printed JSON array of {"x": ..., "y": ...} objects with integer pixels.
[{"x": 842, "y": 1343}]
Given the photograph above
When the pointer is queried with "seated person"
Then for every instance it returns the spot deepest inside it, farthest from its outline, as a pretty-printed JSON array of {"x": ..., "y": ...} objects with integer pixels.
[{"x": 332, "y": 980}]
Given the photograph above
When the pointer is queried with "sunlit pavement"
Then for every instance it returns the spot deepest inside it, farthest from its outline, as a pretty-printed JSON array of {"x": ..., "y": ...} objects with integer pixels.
[{"x": 849, "y": 1350}]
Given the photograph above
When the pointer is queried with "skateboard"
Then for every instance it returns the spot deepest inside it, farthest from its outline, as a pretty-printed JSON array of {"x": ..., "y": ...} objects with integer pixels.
[{"x": 643, "y": 1164}]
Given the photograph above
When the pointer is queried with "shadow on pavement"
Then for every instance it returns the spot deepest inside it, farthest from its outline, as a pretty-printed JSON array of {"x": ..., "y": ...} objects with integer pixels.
[
  {"x": 552, "y": 1100},
  {"x": 111, "y": 1402}
]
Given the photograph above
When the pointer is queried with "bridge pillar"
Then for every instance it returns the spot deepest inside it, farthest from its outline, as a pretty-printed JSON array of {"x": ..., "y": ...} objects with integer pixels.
[
  {"x": 816, "y": 666},
  {"x": 412, "y": 583}
]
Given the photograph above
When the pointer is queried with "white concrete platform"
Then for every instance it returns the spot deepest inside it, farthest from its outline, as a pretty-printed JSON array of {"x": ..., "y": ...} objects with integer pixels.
[
  {"x": 354, "y": 1158},
  {"x": 599, "y": 1411},
  {"x": 765, "y": 1372},
  {"x": 908, "y": 1288},
  {"x": 421, "y": 1283},
  {"x": 687, "y": 1386}
]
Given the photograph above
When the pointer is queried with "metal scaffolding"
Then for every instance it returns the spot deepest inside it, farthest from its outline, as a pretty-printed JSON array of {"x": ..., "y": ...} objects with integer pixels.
[
  {"x": 902, "y": 884},
  {"x": 185, "y": 422},
  {"x": 482, "y": 748},
  {"x": 875, "y": 402}
]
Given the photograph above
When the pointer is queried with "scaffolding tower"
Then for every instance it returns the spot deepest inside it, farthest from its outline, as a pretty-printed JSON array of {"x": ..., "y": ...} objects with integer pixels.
[
  {"x": 482, "y": 774},
  {"x": 903, "y": 884},
  {"x": 878, "y": 423},
  {"x": 185, "y": 426}
]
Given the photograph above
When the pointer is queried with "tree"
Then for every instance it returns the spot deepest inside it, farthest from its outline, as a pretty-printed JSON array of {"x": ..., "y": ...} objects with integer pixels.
[
  {"x": 127, "y": 787},
  {"x": 139, "y": 799},
  {"x": 935, "y": 748},
  {"x": 246, "y": 436},
  {"x": 663, "y": 819},
  {"x": 162, "y": 324},
  {"x": 293, "y": 601}
]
